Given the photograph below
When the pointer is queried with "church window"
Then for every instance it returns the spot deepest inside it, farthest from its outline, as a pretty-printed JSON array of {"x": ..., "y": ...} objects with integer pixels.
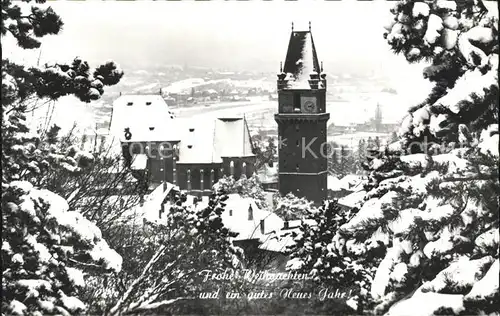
[
  {"x": 130, "y": 103},
  {"x": 148, "y": 103},
  {"x": 297, "y": 143},
  {"x": 250, "y": 213},
  {"x": 231, "y": 168},
  {"x": 297, "y": 167},
  {"x": 297, "y": 127}
]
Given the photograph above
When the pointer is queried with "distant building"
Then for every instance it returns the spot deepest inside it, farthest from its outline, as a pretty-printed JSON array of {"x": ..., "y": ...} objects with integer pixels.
[{"x": 191, "y": 153}]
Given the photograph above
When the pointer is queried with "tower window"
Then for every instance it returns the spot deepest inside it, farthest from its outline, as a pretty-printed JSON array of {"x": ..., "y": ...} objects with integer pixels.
[
  {"x": 296, "y": 102},
  {"x": 297, "y": 143}
]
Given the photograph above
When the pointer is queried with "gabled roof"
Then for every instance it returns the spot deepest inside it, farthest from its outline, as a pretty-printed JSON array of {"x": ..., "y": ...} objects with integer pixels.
[
  {"x": 202, "y": 140},
  {"x": 197, "y": 141},
  {"x": 147, "y": 116},
  {"x": 301, "y": 59},
  {"x": 232, "y": 137},
  {"x": 238, "y": 221},
  {"x": 206, "y": 140}
]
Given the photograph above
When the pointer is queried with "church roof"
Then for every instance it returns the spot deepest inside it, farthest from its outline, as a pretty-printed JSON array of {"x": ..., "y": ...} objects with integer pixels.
[
  {"x": 301, "y": 59},
  {"x": 147, "y": 116},
  {"x": 202, "y": 140},
  {"x": 206, "y": 140}
]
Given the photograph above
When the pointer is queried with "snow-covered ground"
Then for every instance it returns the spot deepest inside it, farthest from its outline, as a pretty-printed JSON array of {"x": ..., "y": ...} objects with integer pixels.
[
  {"x": 341, "y": 113},
  {"x": 187, "y": 84},
  {"x": 227, "y": 108}
]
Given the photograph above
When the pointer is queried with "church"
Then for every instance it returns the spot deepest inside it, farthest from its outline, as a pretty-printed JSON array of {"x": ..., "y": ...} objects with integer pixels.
[
  {"x": 192, "y": 153},
  {"x": 302, "y": 121}
]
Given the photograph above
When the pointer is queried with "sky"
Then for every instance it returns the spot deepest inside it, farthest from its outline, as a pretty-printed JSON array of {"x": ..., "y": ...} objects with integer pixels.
[
  {"x": 232, "y": 35},
  {"x": 250, "y": 35}
]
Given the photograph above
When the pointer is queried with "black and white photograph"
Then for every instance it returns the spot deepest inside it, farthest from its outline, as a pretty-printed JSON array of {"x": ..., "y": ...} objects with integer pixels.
[{"x": 305, "y": 157}]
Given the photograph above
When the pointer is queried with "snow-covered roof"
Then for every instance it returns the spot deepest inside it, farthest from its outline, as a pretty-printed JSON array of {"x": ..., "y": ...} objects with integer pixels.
[
  {"x": 139, "y": 162},
  {"x": 233, "y": 137},
  {"x": 153, "y": 201},
  {"x": 352, "y": 199},
  {"x": 350, "y": 182},
  {"x": 198, "y": 138},
  {"x": 239, "y": 221},
  {"x": 301, "y": 59},
  {"x": 280, "y": 240},
  {"x": 209, "y": 140},
  {"x": 202, "y": 140},
  {"x": 334, "y": 184},
  {"x": 148, "y": 118}
]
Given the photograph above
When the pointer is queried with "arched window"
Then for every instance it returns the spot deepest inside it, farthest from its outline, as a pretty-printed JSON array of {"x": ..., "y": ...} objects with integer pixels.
[
  {"x": 212, "y": 177},
  {"x": 231, "y": 168},
  {"x": 250, "y": 213},
  {"x": 201, "y": 180}
]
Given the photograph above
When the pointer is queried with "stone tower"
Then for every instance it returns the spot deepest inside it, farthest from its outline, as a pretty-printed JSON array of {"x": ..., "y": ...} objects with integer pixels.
[{"x": 302, "y": 121}]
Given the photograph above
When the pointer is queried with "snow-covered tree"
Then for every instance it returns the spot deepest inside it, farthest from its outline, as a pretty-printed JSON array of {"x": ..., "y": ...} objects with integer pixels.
[
  {"x": 290, "y": 207},
  {"x": 347, "y": 163},
  {"x": 45, "y": 251},
  {"x": 431, "y": 208},
  {"x": 46, "y": 248},
  {"x": 314, "y": 252},
  {"x": 265, "y": 151},
  {"x": 246, "y": 187},
  {"x": 433, "y": 196},
  {"x": 167, "y": 266},
  {"x": 333, "y": 163}
]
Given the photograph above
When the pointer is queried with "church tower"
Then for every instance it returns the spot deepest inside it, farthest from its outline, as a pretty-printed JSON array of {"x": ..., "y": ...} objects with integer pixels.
[{"x": 302, "y": 120}]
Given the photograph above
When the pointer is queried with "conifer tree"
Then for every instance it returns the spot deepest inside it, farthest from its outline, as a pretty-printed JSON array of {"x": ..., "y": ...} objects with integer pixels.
[
  {"x": 432, "y": 198},
  {"x": 46, "y": 247}
]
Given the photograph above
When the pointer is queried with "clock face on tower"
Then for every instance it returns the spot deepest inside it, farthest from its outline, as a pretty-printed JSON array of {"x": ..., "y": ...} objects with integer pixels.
[{"x": 308, "y": 104}]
